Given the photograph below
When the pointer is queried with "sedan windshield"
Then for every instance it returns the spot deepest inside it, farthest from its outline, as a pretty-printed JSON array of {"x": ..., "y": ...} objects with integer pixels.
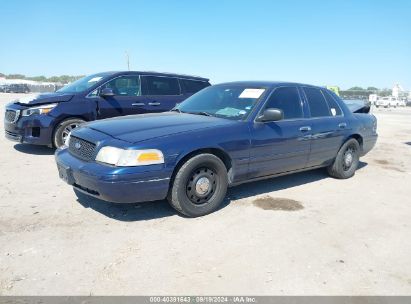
[
  {"x": 82, "y": 84},
  {"x": 227, "y": 101}
]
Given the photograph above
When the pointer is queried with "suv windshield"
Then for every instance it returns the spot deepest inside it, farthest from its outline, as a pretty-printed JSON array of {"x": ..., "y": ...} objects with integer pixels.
[
  {"x": 227, "y": 101},
  {"x": 82, "y": 84}
]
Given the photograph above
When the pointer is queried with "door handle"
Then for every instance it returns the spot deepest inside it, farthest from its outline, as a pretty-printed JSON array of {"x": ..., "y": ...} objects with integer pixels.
[
  {"x": 305, "y": 129},
  {"x": 154, "y": 103},
  {"x": 342, "y": 125},
  {"x": 138, "y": 104}
]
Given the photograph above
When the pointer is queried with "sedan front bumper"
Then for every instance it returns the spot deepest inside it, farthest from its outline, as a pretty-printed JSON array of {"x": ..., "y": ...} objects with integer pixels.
[{"x": 114, "y": 184}]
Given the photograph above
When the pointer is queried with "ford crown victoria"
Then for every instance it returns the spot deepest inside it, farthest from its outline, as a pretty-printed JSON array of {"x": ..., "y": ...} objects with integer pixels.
[{"x": 222, "y": 136}]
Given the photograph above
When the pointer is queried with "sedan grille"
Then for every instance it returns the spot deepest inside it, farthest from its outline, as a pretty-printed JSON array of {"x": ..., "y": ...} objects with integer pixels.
[
  {"x": 11, "y": 116},
  {"x": 81, "y": 148}
]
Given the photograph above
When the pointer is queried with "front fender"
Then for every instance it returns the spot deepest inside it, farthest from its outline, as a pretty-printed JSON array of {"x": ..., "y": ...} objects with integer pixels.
[{"x": 234, "y": 141}]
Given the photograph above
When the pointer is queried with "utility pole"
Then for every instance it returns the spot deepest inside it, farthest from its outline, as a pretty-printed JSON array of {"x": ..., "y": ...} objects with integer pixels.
[{"x": 128, "y": 60}]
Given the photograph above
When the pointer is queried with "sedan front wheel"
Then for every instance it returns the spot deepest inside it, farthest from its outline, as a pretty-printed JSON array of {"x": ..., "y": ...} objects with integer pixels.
[{"x": 199, "y": 186}]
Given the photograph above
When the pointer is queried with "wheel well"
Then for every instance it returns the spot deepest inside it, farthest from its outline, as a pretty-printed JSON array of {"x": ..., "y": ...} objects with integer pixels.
[
  {"x": 226, "y": 159},
  {"x": 358, "y": 138},
  {"x": 63, "y": 119}
]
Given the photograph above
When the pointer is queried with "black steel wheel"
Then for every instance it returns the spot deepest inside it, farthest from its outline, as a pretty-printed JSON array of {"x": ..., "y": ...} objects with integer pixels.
[
  {"x": 199, "y": 186},
  {"x": 347, "y": 160}
]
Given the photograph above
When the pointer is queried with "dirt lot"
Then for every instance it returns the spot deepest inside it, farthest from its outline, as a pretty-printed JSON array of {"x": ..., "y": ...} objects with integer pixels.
[{"x": 300, "y": 234}]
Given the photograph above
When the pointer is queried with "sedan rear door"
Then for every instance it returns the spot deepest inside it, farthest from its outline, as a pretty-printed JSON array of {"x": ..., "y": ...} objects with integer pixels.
[{"x": 328, "y": 126}]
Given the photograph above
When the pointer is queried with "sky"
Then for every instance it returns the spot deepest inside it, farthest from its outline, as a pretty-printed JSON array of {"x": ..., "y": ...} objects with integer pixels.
[{"x": 335, "y": 42}]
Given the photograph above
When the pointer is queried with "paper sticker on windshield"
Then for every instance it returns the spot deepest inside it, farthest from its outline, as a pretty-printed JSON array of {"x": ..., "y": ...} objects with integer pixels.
[
  {"x": 251, "y": 93},
  {"x": 94, "y": 79},
  {"x": 333, "y": 111}
]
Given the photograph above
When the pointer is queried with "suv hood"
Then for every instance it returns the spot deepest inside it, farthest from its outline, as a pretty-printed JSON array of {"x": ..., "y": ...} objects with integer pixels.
[
  {"x": 136, "y": 128},
  {"x": 43, "y": 98}
]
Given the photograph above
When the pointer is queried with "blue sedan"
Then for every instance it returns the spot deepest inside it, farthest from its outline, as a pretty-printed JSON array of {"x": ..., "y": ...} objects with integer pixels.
[{"x": 222, "y": 136}]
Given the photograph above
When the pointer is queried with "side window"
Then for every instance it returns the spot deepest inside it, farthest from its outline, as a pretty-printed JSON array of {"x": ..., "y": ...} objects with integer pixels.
[
  {"x": 193, "y": 86},
  {"x": 124, "y": 86},
  {"x": 162, "y": 85},
  {"x": 288, "y": 100},
  {"x": 317, "y": 103},
  {"x": 332, "y": 104},
  {"x": 94, "y": 93}
]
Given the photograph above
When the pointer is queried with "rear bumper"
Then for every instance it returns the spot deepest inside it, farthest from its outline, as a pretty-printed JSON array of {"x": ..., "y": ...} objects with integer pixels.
[
  {"x": 32, "y": 130},
  {"x": 114, "y": 184},
  {"x": 369, "y": 143}
]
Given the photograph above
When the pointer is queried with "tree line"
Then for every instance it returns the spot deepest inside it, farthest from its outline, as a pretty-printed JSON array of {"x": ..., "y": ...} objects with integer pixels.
[
  {"x": 59, "y": 79},
  {"x": 364, "y": 93}
]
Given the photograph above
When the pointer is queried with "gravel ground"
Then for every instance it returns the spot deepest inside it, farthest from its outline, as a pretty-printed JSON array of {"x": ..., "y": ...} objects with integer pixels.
[{"x": 301, "y": 234}]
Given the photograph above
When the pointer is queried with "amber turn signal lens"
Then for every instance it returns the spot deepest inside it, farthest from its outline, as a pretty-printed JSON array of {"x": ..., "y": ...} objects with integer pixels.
[
  {"x": 46, "y": 110},
  {"x": 149, "y": 156}
]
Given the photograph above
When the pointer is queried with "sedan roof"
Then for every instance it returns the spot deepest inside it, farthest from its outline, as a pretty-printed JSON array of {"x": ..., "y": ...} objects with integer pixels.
[{"x": 269, "y": 84}]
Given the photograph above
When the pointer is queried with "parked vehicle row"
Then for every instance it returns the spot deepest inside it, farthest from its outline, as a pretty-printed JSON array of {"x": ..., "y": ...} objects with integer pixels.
[
  {"x": 389, "y": 101},
  {"x": 184, "y": 147},
  {"x": 14, "y": 88}
]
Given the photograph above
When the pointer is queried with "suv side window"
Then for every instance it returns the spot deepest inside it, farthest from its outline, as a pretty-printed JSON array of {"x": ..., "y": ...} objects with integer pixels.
[
  {"x": 288, "y": 100},
  {"x": 317, "y": 103},
  {"x": 124, "y": 86},
  {"x": 332, "y": 104},
  {"x": 162, "y": 85},
  {"x": 193, "y": 86}
]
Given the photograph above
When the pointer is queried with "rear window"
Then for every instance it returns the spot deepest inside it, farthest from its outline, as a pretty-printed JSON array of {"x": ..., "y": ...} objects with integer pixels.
[
  {"x": 162, "y": 85},
  {"x": 193, "y": 86},
  {"x": 317, "y": 103},
  {"x": 333, "y": 105}
]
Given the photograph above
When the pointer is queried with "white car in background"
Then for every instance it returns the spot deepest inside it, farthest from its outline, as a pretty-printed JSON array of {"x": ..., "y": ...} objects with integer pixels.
[
  {"x": 387, "y": 102},
  {"x": 402, "y": 103}
]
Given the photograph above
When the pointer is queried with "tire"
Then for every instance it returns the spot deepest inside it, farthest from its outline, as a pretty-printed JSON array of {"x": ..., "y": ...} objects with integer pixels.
[
  {"x": 346, "y": 161},
  {"x": 62, "y": 130},
  {"x": 200, "y": 186}
]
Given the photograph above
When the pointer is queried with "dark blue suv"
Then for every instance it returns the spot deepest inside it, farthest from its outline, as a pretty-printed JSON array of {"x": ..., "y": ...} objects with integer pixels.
[{"x": 47, "y": 119}]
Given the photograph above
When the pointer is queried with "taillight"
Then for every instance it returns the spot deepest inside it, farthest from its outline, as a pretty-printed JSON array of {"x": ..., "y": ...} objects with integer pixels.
[{"x": 374, "y": 125}]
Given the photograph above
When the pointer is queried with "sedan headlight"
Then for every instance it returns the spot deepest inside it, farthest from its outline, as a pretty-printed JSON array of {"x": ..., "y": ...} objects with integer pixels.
[
  {"x": 39, "y": 110},
  {"x": 129, "y": 158}
]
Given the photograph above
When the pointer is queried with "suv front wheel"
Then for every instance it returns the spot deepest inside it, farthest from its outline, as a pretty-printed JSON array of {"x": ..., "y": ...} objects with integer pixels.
[{"x": 63, "y": 129}]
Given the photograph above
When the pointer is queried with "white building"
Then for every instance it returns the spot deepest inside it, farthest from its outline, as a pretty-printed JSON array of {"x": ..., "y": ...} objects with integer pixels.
[{"x": 396, "y": 90}]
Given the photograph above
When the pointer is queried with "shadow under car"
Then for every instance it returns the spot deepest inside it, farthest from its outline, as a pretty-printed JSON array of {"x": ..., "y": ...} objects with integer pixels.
[{"x": 160, "y": 209}]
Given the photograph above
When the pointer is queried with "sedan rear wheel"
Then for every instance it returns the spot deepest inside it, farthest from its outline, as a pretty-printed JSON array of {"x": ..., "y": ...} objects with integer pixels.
[
  {"x": 199, "y": 186},
  {"x": 346, "y": 161}
]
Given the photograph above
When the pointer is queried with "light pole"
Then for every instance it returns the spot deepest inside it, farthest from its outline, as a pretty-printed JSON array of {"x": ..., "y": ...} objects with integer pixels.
[{"x": 128, "y": 60}]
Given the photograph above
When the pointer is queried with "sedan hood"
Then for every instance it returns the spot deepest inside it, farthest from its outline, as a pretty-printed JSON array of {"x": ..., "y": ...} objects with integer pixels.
[
  {"x": 136, "y": 128},
  {"x": 43, "y": 98}
]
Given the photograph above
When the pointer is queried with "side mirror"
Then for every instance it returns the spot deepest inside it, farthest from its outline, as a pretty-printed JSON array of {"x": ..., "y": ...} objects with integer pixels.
[
  {"x": 106, "y": 92},
  {"x": 271, "y": 114}
]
